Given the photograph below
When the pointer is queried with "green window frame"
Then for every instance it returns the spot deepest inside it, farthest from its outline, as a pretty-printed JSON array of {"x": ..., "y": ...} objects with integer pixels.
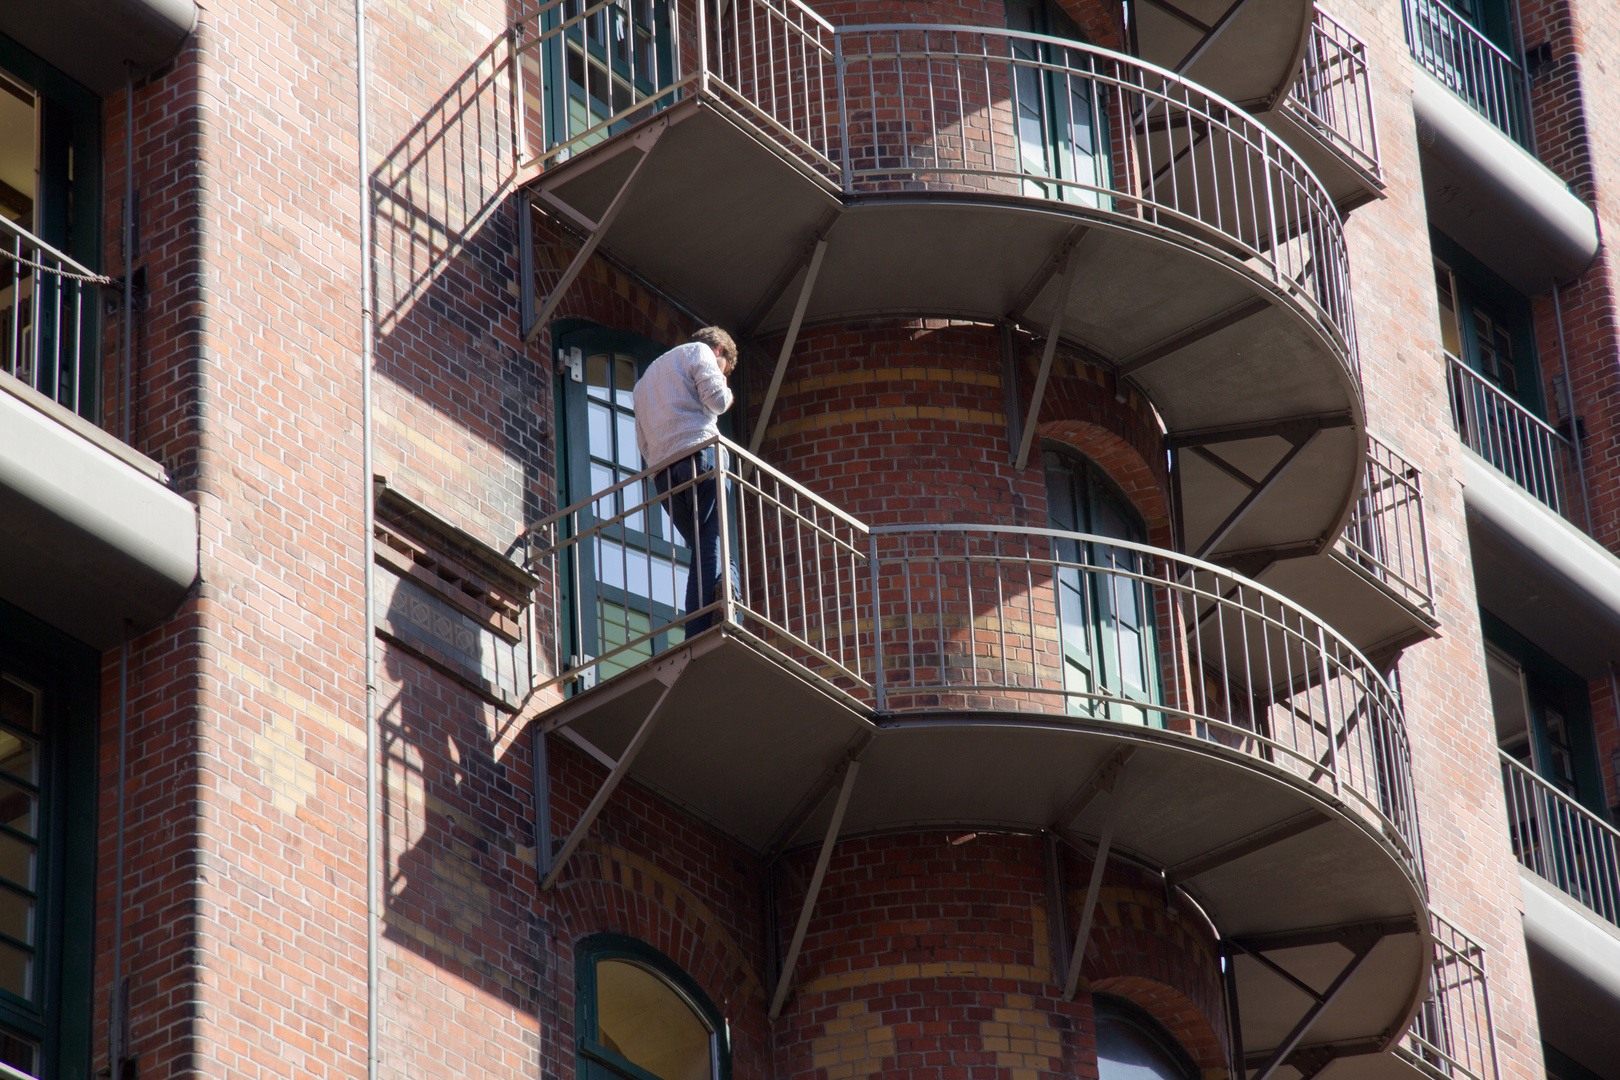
[
  {"x": 49, "y": 693},
  {"x": 597, "y": 1057},
  {"x": 66, "y": 211},
  {"x": 605, "y": 65},
  {"x": 1062, "y": 121},
  {"x": 1130, "y": 1041},
  {"x": 1486, "y": 323},
  {"x": 1107, "y": 618}
]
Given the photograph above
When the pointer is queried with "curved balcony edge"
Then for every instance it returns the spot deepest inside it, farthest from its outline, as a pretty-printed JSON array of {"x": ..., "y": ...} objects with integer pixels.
[{"x": 1054, "y": 627}]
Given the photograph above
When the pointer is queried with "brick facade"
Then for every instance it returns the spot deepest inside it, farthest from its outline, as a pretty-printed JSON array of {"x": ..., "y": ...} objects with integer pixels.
[{"x": 244, "y": 930}]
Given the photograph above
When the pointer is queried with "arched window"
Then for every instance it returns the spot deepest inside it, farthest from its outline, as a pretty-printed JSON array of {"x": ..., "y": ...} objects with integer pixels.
[
  {"x": 1106, "y": 605},
  {"x": 640, "y": 1017},
  {"x": 1131, "y": 1045}
]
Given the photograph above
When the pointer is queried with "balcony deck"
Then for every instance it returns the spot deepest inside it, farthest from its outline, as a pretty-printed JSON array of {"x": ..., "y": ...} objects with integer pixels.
[
  {"x": 1167, "y": 235},
  {"x": 867, "y": 680}
]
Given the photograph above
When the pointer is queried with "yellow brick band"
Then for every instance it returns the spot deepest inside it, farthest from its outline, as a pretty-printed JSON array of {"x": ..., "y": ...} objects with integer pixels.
[
  {"x": 879, "y": 415},
  {"x": 870, "y": 376}
]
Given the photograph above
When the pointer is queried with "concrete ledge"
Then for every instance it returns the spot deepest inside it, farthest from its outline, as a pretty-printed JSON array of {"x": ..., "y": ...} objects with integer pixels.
[
  {"x": 1550, "y": 581},
  {"x": 91, "y": 39},
  {"x": 1490, "y": 195},
  {"x": 1575, "y": 966},
  {"x": 88, "y": 538}
]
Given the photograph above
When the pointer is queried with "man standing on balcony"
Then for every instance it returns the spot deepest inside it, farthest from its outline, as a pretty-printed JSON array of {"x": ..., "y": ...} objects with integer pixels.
[{"x": 677, "y": 401}]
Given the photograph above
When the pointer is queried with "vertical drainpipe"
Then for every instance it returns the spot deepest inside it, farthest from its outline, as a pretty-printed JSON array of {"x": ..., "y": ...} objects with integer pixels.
[
  {"x": 367, "y": 349},
  {"x": 116, "y": 1032}
]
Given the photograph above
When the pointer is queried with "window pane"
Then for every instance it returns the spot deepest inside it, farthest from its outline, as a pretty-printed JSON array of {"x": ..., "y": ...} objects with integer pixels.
[
  {"x": 641, "y": 1018},
  {"x": 19, "y": 704},
  {"x": 624, "y": 381},
  {"x": 600, "y": 423},
  {"x": 17, "y": 861},
  {"x": 16, "y": 916},
  {"x": 17, "y": 807},
  {"x": 19, "y": 756},
  {"x": 19, "y": 1052},
  {"x": 16, "y": 970},
  {"x": 596, "y": 376},
  {"x": 1125, "y": 1052}
]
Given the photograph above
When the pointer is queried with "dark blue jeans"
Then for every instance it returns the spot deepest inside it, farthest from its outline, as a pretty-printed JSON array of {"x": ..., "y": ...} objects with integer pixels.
[{"x": 695, "y": 512}]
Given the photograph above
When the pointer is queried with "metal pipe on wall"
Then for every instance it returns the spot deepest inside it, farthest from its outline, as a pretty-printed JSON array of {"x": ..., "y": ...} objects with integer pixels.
[{"x": 367, "y": 351}]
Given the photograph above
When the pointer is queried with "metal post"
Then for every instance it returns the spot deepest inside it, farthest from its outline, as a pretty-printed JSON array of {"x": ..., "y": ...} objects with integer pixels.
[
  {"x": 799, "y": 931},
  {"x": 848, "y": 177},
  {"x": 703, "y": 45},
  {"x": 1105, "y": 840},
  {"x": 877, "y": 621},
  {"x": 728, "y": 601}
]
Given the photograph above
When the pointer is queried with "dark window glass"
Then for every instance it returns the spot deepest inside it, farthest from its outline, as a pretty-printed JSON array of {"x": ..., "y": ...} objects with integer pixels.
[{"x": 1131, "y": 1045}]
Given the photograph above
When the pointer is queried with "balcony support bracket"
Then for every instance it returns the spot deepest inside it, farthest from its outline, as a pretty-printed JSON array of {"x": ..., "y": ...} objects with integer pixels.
[
  {"x": 1111, "y": 781},
  {"x": 644, "y": 141},
  {"x": 1209, "y": 37},
  {"x": 667, "y": 671},
  {"x": 818, "y": 251},
  {"x": 1298, "y": 443},
  {"x": 1246, "y": 845},
  {"x": 785, "y": 980},
  {"x": 1071, "y": 266},
  {"x": 1360, "y": 941}
]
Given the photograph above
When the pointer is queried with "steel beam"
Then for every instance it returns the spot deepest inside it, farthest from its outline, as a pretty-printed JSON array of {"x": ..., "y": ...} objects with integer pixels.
[
  {"x": 1240, "y": 1065},
  {"x": 749, "y": 326},
  {"x": 1105, "y": 840},
  {"x": 1344, "y": 934},
  {"x": 1247, "y": 845},
  {"x": 668, "y": 672},
  {"x": 1225, "y": 466},
  {"x": 785, "y": 980},
  {"x": 645, "y": 140},
  {"x": 1209, "y": 38},
  {"x": 1176, "y": 13},
  {"x": 1012, "y": 401},
  {"x": 542, "y": 802},
  {"x": 1225, "y": 528},
  {"x": 1049, "y": 269},
  {"x": 818, "y": 252},
  {"x": 1071, "y": 266},
  {"x": 1294, "y": 1037},
  {"x": 1282, "y": 429},
  {"x": 1101, "y": 780},
  {"x": 1057, "y": 921},
  {"x": 813, "y": 798}
]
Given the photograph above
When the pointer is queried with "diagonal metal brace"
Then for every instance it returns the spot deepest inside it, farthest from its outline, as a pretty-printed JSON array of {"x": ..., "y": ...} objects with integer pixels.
[
  {"x": 1299, "y": 443},
  {"x": 667, "y": 671},
  {"x": 1071, "y": 268},
  {"x": 645, "y": 140},
  {"x": 827, "y": 845},
  {"x": 1115, "y": 783},
  {"x": 818, "y": 251},
  {"x": 1360, "y": 945}
]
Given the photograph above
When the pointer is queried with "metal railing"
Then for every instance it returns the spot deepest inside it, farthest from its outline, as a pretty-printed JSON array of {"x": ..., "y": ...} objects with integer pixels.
[
  {"x": 1472, "y": 66},
  {"x": 614, "y": 574},
  {"x": 1452, "y": 1036},
  {"x": 1386, "y": 535},
  {"x": 1333, "y": 94},
  {"x": 871, "y": 109},
  {"x": 1520, "y": 444},
  {"x": 1561, "y": 840},
  {"x": 47, "y": 318},
  {"x": 929, "y": 617}
]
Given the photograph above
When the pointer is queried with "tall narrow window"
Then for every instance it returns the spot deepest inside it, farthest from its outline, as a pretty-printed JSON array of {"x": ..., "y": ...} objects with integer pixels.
[
  {"x": 605, "y": 67},
  {"x": 1132, "y": 1045},
  {"x": 640, "y": 1017},
  {"x": 1106, "y": 605},
  {"x": 1060, "y": 111}
]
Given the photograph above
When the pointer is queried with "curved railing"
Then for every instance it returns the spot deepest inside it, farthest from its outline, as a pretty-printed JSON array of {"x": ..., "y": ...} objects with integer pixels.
[
  {"x": 916, "y": 108},
  {"x": 1020, "y": 619},
  {"x": 1334, "y": 95},
  {"x": 969, "y": 617}
]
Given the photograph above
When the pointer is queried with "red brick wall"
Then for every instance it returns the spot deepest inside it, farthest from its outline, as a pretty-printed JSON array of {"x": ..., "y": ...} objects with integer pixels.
[{"x": 931, "y": 955}]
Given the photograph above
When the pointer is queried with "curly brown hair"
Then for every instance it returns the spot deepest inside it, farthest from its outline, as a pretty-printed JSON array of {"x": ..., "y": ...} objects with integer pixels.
[{"x": 720, "y": 341}]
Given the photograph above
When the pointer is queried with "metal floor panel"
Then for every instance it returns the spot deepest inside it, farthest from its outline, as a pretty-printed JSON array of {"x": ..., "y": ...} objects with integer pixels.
[
  {"x": 1254, "y": 58},
  {"x": 1370, "y": 616}
]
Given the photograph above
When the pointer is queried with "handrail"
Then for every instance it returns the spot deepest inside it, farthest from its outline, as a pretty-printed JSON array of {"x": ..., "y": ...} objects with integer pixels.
[
  {"x": 1520, "y": 444},
  {"x": 46, "y": 297},
  {"x": 1386, "y": 534},
  {"x": 1563, "y": 841},
  {"x": 965, "y": 616},
  {"x": 1334, "y": 93},
  {"x": 1452, "y": 1034},
  {"x": 988, "y": 111},
  {"x": 1471, "y": 65}
]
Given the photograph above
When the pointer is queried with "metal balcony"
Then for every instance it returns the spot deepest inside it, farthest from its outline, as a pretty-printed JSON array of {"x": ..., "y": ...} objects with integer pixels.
[
  {"x": 1452, "y": 1037},
  {"x": 791, "y": 173},
  {"x": 1120, "y": 697},
  {"x": 1563, "y": 841},
  {"x": 1247, "y": 52},
  {"x": 1373, "y": 585},
  {"x": 48, "y": 319},
  {"x": 1521, "y": 445},
  {"x": 1327, "y": 115},
  {"x": 1472, "y": 66}
]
